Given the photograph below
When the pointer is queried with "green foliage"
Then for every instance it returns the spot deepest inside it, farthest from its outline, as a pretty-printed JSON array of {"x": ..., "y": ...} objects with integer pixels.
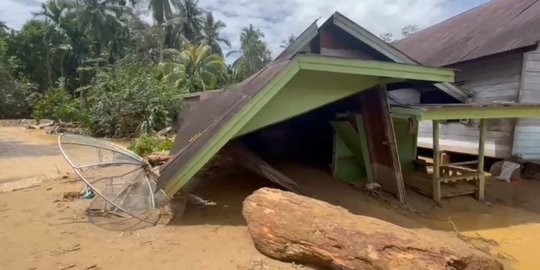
[
  {"x": 29, "y": 49},
  {"x": 15, "y": 96},
  {"x": 212, "y": 37},
  {"x": 147, "y": 144},
  {"x": 106, "y": 59},
  {"x": 58, "y": 105},
  {"x": 127, "y": 98},
  {"x": 194, "y": 69},
  {"x": 191, "y": 16},
  {"x": 255, "y": 53}
]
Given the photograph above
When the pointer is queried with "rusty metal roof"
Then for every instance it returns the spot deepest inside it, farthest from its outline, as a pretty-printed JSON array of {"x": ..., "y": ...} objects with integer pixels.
[
  {"x": 205, "y": 119},
  {"x": 495, "y": 27}
]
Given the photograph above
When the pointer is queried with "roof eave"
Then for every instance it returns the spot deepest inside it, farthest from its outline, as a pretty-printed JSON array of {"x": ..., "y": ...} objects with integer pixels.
[
  {"x": 375, "y": 68},
  {"x": 468, "y": 112}
]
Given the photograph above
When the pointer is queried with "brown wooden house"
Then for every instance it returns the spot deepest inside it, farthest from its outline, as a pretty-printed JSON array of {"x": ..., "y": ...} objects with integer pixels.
[{"x": 494, "y": 49}]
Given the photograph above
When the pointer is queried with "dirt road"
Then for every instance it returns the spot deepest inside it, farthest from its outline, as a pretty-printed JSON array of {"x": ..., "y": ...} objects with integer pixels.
[{"x": 26, "y": 154}]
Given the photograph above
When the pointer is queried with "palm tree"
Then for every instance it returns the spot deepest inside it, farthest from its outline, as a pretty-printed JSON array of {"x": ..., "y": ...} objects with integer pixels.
[
  {"x": 195, "y": 68},
  {"x": 172, "y": 36},
  {"x": 162, "y": 11},
  {"x": 286, "y": 43},
  {"x": 102, "y": 21},
  {"x": 192, "y": 21},
  {"x": 254, "y": 53},
  {"x": 54, "y": 17},
  {"x": 211, "y": 33}
]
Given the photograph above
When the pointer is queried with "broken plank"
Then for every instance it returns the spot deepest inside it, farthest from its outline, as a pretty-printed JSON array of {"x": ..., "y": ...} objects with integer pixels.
[{"x": 241, "y": 154}]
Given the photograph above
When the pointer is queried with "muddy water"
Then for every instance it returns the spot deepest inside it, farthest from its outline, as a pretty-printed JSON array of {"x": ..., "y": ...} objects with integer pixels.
[
  {"x": 510, "y": 216},
  {"x": 516, "y": 231}
]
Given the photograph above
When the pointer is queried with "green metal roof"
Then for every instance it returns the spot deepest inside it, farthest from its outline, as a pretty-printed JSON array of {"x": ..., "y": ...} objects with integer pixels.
[
  {"x": 467, "y": 111},
  {"x": 301, "y": 44},
  {"x": 200, "y": 140}
]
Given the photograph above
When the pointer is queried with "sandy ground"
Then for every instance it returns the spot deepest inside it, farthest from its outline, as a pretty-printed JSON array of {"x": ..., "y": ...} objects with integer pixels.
[
  {"x": 40, "y": 231},
  {"x": 22, "y": 149}
]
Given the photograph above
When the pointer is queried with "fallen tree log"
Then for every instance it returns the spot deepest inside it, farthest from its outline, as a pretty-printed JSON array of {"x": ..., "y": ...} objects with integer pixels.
[{"x": 291, "y": 227}]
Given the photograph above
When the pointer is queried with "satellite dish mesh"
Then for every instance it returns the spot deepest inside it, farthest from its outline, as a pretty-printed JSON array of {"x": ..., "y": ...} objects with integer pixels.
[{"x": 122, "y": 181}]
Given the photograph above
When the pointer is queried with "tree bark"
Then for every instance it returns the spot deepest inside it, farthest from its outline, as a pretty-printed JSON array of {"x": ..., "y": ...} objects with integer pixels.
[
  {"x": 291, "y": 227},
  {"x": 161, "y": 41}
]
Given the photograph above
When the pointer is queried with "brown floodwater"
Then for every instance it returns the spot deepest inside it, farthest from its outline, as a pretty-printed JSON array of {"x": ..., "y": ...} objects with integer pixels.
[{"x": 510, "y": 216}]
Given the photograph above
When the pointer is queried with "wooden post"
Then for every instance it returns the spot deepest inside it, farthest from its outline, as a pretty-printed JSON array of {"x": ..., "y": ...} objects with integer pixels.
[
  {"x": 481, "y": 151},
  {"x": 436, "y": 163},
  {"x": 365, "y": 147},
  {"x": 392, "y": 144}
]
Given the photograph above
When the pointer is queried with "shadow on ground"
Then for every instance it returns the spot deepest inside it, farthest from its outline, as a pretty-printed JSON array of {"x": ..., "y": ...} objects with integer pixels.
[{"x": 506, "y": 204}]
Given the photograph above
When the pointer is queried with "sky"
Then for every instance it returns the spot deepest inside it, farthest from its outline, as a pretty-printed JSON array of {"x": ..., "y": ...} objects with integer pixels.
[{"x": 280, "y": 18}]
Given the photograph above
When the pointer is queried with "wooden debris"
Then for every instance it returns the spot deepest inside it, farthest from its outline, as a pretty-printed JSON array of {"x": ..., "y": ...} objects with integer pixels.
[
  {"x": 239, "y": 153},
  {"x": 156, "y": 159},
  {"x": 291, "y": 227},
  {"x": 164, "y": 131}
]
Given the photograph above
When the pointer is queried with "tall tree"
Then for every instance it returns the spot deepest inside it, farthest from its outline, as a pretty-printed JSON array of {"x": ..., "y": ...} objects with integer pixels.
[
  {"x": 211, "y": 33},
  {"x": 102, "y": 21},
  {"x": 196, "y": 68},
  {"x": 3, "y": 42},
  {"x": 254, "y": 53},
  {"x": 192, "y": 20},
  {"x": 162, "y": 11},
  {"x": 28, "y": 48},
  {"x": 286, "y": 43},
  {"x": 56, "y": 39}
]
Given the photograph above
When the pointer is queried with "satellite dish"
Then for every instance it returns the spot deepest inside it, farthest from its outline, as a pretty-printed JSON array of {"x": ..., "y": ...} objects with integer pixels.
[{"x": 122, "y": 180}]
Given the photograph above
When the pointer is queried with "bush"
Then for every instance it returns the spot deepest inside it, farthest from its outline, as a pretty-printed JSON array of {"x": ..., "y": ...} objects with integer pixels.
[
  {"x": 147, "y": 144},
  {"x": 60, "y": 106},
  {"x": 14, "y": 96},
  {"x": 128, "y": 99}
]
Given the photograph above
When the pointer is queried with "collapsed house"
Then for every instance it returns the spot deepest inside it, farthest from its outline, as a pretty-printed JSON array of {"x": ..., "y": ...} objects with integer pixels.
[
  {"x": 326, "y": 100},
  {"x": 494, "y": 50}
]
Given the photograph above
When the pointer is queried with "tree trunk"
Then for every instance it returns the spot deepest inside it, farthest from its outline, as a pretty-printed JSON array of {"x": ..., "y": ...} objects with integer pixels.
[
  {"x": 291, "y": 227},
  {"x": 49, "y": 67},
  {"x": 161, "y": 41}
]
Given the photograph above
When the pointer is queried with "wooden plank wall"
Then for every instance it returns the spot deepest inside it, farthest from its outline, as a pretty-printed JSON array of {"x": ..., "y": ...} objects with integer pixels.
[
  {"x": 527, "y": 132},
  {"x": 495, "y": 78}
]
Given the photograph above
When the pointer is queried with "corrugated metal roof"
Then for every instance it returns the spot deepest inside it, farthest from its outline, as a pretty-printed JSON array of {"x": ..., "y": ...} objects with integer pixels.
[
  {"x": 202, "y": 122},
  {"x": 495, "y": 27}
]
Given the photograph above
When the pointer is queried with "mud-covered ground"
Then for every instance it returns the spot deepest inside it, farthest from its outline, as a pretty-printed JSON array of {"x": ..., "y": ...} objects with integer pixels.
[{"x": 38, "y": 230}]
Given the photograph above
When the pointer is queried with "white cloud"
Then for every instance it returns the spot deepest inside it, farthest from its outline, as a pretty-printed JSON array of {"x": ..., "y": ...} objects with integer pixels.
[
  {"x": 16, "y": 12},
  {"x": 279, "y": 19}
]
